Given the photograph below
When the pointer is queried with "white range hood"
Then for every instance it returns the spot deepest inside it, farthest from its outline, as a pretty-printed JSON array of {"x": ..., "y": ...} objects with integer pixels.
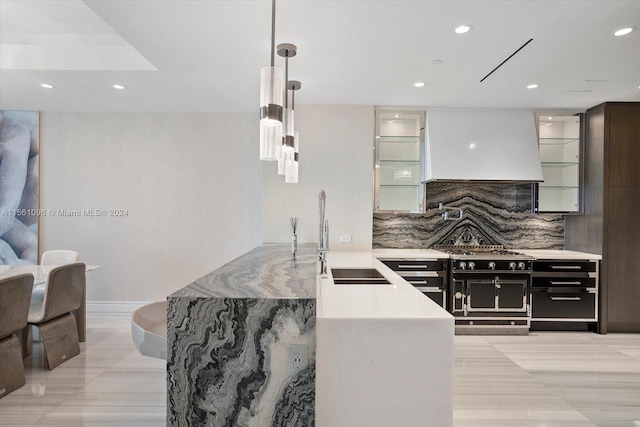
[{"x": 481, "y": 146}]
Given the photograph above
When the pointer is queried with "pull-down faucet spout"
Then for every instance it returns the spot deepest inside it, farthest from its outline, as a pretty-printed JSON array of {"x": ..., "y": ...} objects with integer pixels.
[{"x": 323, "y": 232}]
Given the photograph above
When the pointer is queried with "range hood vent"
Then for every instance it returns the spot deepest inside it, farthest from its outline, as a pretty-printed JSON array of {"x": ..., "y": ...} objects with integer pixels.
[{"x": 481, "y": 146}]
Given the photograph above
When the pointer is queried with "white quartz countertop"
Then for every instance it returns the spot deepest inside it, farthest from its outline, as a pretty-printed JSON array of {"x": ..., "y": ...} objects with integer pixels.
[
  {"x": 410, "y": 253},
  {"x": 560, "y": 254},
  {"x": 398, "y": 300}
]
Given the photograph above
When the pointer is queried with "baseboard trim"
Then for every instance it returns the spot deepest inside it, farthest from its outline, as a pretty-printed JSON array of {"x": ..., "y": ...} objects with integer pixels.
[{"x": 113, "y": 306}]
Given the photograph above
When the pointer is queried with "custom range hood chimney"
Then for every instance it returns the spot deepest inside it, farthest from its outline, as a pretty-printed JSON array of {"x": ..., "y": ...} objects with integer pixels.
[{"x": 481, "y": 146}]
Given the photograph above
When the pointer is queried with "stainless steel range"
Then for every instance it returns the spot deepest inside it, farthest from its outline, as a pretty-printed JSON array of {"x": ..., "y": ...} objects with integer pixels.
[{"x": 490, "y": 289}]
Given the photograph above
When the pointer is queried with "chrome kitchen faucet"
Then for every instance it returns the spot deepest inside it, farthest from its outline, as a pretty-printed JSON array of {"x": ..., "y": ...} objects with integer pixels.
[{"x": 323, "y": 232}]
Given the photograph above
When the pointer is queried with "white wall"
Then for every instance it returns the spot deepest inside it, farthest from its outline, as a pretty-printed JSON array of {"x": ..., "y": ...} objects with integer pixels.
[
  {"x": 336, "y": 155},
  {"x": 191, "y": 184}
]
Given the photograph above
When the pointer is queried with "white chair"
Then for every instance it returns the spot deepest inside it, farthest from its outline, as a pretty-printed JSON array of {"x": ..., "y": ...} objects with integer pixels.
[
  {"x": 15, "y": 293},
  {"x": 59, "y": 257},
  {"x": 53, "y": 257},
  {"x": 53, "y": 316}
]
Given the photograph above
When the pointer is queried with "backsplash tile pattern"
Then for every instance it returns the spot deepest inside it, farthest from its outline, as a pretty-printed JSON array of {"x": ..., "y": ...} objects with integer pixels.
[{"x": 494, "y": 214}]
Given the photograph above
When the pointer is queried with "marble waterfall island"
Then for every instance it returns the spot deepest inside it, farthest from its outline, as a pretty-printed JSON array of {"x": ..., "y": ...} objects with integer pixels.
[
  {"x": 265, "y": 341},
  {"x": 241, "y": 342}
]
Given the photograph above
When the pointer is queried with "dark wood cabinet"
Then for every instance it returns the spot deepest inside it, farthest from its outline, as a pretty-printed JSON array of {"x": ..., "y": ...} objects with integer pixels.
[{"x": 610, "y": 225}]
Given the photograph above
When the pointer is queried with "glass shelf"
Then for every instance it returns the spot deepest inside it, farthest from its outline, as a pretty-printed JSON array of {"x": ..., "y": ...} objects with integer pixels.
[
  {"x": 400, "y": 161},
  {"x": 558, "y": 187},
  {"x": 398, "y": 139},
  {"x": 558, "y": 164},
  {"x": 556, "y": 141}
]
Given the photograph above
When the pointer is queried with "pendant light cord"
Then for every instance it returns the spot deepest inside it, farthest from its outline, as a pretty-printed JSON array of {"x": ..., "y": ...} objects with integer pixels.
[{"x": 273, "y": 31}]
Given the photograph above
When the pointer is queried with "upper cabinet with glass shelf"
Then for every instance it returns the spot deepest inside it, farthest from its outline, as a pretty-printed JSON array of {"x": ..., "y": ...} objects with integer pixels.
[
  {"x": 560, "y": 148},
  {"x": 399, "y": 150}
]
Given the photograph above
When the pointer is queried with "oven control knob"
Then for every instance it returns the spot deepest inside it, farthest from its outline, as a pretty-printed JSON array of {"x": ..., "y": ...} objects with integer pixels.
[
  {"x": 472, "y": 265},
  {"x": 512, "y": 266},
  {"x": 463, "y": 265},
  {"x": 521, "y": 265},
  {"x": 492, "y": 265}
]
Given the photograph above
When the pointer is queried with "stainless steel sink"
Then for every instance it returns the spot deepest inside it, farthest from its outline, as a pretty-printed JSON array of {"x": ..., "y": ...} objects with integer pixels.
[{"x": 358, "y": 276}]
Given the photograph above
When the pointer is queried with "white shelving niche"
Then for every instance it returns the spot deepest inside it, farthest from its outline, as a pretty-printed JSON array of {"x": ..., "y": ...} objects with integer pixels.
[
  {"x": 399, "y": 150},
  {"x": 560, "y": 148}
]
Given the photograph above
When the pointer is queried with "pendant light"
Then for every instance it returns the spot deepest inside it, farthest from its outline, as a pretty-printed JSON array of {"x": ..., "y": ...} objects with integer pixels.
[
  {"x": 291, "y": 167},
  {"x": 271, "y": 93},
  {"x": 286, "y": 50}
]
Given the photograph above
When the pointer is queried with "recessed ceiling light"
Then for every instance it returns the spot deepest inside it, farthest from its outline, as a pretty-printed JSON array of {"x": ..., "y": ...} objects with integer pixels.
[
  {"x": 549, "y": 118},
  {"x": 623, "y": 31},
  {"x": 120, "y": 87},
  {"x": 436, "y": 61},
  {"x": 472, "y": 146},
  {"x": 532, "y": 86},
  {"x": 46, "y": 85},
  {"x": 397, "y": 116},
  {"x": 419, "y": 84},
  {"x": 461, "y": 29}
]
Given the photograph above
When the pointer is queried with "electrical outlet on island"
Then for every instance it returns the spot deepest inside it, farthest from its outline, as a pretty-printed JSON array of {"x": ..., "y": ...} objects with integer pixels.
[{"x": 297, "y": 357}]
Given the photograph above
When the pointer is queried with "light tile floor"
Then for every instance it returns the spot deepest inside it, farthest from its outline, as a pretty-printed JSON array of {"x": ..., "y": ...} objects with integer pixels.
[{"x": 546, "y": 379}]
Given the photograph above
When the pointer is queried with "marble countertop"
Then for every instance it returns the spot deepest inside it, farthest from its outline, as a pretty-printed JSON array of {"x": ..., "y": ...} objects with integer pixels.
[
  {"x": 398, "y": 300},
  {"x": 269, "y": 272}
]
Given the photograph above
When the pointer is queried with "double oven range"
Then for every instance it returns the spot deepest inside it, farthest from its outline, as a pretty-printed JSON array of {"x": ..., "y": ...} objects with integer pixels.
[{"x": 490, "y": 289}]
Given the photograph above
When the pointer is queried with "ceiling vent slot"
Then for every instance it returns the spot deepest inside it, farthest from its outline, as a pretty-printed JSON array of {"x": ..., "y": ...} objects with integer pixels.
[{"x": 503, "y": 62}]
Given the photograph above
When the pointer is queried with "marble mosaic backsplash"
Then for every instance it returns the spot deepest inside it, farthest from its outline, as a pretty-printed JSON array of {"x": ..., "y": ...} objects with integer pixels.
[
  {"x": 229, "y": 364},
  {"x": 494, "y": 214}
]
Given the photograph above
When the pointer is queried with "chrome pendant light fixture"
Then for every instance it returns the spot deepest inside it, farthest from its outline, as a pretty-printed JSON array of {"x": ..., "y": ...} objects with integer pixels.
[
  {"x": 291, "y": 165},
  {"x": 271, "y": 94},
  {"x": 286, "y": 50}
]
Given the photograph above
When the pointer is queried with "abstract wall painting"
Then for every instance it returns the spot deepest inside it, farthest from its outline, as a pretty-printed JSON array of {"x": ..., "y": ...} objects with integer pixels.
[{"x": 19, "y": 147}]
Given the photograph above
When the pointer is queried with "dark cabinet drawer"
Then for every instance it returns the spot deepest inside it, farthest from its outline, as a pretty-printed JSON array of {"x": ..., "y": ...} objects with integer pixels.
[
  {"x": 564, "y": 281},
  {"x": 400, "y": 265},
  {"x": 565, "y": 266},
  {"x": 563, "y": 306}
]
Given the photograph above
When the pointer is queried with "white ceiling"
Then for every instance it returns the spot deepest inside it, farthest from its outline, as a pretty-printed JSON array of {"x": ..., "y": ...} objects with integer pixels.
[{"x": 206, "y": 55}]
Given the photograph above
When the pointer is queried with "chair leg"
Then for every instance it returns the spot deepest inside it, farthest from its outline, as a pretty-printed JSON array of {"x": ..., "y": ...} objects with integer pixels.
[
  {"x": 27, "y": 342},
  {"x": 60, "y": 339},
  {"x": 11, "y": 365}
]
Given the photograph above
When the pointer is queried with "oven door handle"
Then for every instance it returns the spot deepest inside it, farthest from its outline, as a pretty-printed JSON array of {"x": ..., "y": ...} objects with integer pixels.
[
  {"x": 566, "y": 267},
  {"x": 413, "y": 266},
  {"x": 576, "y": 282},
  {"x": 565, "y": 298}
]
